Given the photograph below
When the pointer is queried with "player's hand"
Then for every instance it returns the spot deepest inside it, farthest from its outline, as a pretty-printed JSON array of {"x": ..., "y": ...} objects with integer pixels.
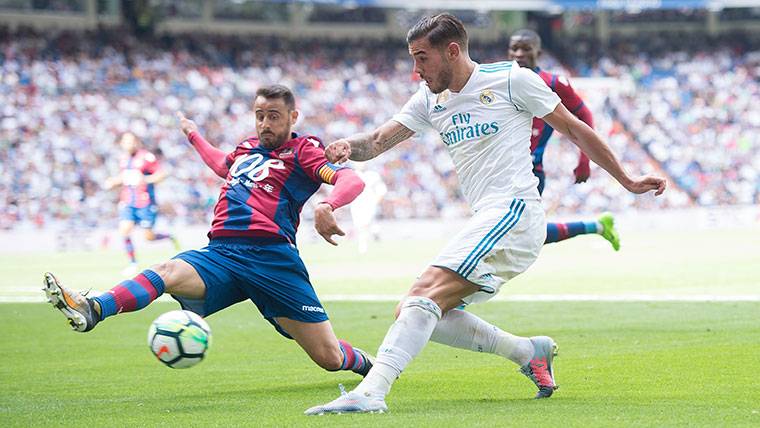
[
  {"x": 338, "y": 151},
  {"x": 646, "y": 183},
  {"x": 582, "y": 171},
  {"x": 324, "y": 222},
  {"x": 186, "y": 124}
]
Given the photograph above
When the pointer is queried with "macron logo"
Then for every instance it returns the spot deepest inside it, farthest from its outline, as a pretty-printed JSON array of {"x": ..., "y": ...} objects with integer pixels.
[
  {"x": 438, "y": 108},
  {"x": 312, "y": 309}
]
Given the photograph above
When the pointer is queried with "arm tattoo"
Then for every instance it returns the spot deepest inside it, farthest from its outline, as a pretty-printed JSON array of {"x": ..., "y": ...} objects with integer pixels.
[
  {"x": 361, "y": 146},
  {"x": 365, "y": 146}
]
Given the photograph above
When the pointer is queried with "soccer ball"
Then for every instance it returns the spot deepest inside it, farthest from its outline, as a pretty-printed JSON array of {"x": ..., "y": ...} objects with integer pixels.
[{"x": 179, "y": 339}]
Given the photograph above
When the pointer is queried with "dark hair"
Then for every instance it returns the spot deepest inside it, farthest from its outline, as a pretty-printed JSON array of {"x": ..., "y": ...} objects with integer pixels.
[
  {"x": 528, "y": 34},
  {"x": 440, "y": 30},
  {"x": 278, "y": 91}
]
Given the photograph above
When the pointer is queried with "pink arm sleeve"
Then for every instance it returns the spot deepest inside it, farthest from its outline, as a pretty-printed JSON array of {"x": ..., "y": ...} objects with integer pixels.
[
  {"x": 348, "y": 186},
  {"x": 213, "y": 157}
]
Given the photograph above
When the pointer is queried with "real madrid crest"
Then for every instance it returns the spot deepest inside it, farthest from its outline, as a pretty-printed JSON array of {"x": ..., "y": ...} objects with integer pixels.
[{"x": 487, "y": 97}]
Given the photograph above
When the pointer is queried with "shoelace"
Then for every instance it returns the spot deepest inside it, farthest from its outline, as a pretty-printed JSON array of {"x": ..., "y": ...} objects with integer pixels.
[{"x": 343, "y": 392}]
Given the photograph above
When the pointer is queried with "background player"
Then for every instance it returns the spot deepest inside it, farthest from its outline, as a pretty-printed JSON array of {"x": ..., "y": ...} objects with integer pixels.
[
  {"x": 364, "y": 208},
  {"x": 525, "y": 48},
  {"x": 483, "y": 114},
  {"x": 140, "y": 172},
  {"x": 251, "y": 253}
]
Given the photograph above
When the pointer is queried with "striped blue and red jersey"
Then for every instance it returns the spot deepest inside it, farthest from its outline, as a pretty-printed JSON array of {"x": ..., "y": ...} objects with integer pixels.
[
  {"x": 134, "y": 167},
  {"x": 265, "y": 190},
  {"x": 541, "y": 131}
]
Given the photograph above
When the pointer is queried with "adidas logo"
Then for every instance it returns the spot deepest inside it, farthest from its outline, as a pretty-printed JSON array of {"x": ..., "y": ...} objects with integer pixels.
[{"x": 438, "y": 108}]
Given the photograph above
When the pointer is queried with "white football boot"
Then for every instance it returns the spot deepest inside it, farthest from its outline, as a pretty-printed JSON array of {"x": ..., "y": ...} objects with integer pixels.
[{"x": 350, "y": 402}]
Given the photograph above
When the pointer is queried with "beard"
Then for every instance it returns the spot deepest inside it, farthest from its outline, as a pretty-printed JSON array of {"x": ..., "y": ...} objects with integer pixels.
[
  {"x": 272, "y": 141},
  {"x": 442, "y": 82}
]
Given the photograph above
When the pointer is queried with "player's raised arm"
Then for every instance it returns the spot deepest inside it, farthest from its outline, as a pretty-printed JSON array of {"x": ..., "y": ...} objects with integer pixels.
[
  {"x": 212, "y": 156},
  {"x": 365, "y": 146},
  {"x": 592, "y": 144}
]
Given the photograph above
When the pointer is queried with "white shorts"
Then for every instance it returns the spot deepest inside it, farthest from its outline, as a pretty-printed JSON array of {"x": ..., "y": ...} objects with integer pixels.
[{"x": 497, "y": 244}]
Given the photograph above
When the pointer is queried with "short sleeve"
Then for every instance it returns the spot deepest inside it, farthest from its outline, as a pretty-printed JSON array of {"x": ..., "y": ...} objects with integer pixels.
[
  {"x": 567, "y": 94},
  {"x": 529, "y": 92},
  {"x": 311, "y": 157},
  {"x": 414, "y": 114}
]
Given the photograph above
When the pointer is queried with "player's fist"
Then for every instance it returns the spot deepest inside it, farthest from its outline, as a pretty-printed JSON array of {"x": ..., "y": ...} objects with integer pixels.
[
  {"x": 186, "y": 124},
  {"x": 646, "y": 183},
  {"x": 582, "y": 171},
  {"x": 338, "y": 151}
]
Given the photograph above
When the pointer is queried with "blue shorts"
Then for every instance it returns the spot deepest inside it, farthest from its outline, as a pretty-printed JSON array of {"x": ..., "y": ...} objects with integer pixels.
[
  {"x": 144, "y": 217},
  {"x": 270, "y": 274}
]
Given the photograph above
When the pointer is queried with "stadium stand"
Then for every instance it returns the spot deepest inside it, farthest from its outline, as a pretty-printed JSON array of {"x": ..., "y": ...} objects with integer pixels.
[{"x": 66, "y": 96}]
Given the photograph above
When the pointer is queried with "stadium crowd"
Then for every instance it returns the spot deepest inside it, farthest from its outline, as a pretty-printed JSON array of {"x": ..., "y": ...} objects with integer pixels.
[{"x": 65, "y": 98}]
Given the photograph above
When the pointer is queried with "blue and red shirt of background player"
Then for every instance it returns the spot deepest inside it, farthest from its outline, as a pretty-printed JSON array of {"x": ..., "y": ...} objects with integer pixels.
[
  {"x": 265, "y": 189},
  {"x": 541, "y": 131},
  {"x": 135, "y": 192}
]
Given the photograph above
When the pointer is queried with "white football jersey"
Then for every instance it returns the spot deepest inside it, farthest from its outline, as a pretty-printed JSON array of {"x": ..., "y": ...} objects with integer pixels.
[{"x": 486, "y": 127}]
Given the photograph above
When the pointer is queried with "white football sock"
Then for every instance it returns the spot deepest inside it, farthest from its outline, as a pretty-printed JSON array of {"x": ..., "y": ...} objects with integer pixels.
[
  {"x": 461, "y": 329},
  {"x": 404, "y": 340}
]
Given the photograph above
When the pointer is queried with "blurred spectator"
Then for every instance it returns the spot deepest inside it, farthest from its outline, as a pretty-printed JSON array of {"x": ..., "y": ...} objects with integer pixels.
[{"x": 64, "y": 98}]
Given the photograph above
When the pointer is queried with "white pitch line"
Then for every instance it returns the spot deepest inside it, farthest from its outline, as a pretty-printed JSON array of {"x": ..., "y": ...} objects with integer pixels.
[
  {"x": 500, "y": 298},
  {"x": 567, "y": 298}
]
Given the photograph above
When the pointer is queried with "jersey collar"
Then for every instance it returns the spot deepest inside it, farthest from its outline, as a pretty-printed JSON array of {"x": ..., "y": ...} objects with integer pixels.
[{"x": 469, "y": 81}]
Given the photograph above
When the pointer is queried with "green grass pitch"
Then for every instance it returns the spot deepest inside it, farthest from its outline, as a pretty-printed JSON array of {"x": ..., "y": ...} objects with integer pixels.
[{"x": 620, "y": 363}]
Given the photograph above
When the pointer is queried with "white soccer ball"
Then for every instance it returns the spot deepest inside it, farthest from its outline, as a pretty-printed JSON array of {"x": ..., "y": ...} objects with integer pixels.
[{"x": 179, "y": 339}]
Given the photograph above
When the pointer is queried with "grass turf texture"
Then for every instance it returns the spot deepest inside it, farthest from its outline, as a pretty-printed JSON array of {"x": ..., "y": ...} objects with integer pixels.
[
  {"x": 650, "y": 364},
  {"x": 620, "y": 364}
]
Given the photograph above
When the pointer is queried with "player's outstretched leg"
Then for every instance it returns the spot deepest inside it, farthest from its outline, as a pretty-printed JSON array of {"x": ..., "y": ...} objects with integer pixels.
[
  {"x": 79, "y": 310},
  {"x": 464, "y": 330},
  {"x": 539, "y": 369},
  {"x": 404, "y": 340},
  {"x": 84, "y": 313},
  {"x": 326, "y": 350},
  {"x": 604, "y": 226},
  {"x": 130, "y": 295}
]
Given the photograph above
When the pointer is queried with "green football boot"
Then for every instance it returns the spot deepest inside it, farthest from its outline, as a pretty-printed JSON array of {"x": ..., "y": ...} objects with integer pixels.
[{"x": 609, "y": 233}]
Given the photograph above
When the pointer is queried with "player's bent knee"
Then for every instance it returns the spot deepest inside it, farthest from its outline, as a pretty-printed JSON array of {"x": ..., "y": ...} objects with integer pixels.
[
  {"x": 169, "y": 271},
  {"x": 423, "y": 303},
  {"x": 330, "y": 359},
  {"x": 163, "y": 269}
]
